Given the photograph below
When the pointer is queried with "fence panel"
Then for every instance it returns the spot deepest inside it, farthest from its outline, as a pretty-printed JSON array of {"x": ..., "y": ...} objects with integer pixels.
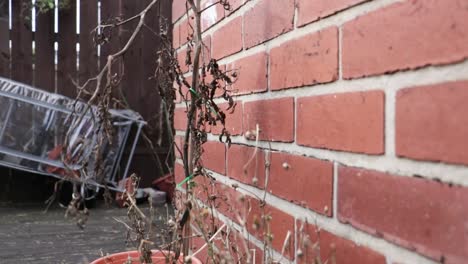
[
  {"x": 21, "y": 38},
  {"x": 44, "y": 53},
  {"x": 67, "y": 56},
  {"x": 110, "y": 9},
  {"x": 132, "y": 59},
  {"x": 4, "y": 39},
  {"x": 54, "y": 63},
  {"x": 88, "y": 56}
]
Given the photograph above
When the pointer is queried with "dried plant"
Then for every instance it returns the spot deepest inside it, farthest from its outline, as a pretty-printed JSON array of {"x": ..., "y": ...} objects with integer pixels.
[{"x": 196, "y": 208}]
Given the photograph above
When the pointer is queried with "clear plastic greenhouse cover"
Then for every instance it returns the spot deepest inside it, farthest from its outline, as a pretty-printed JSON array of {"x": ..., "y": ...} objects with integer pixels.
[{"x": 33, "y": 127}]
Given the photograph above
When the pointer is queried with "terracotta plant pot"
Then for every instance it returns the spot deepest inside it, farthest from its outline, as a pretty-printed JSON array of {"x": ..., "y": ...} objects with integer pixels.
[{"x": 158, "y": 257}]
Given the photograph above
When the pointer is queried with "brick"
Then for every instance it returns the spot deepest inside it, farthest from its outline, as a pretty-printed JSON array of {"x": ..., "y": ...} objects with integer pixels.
[
  {"x": 239, "y": 157},
  {"x": 177, "y": 98},
  {"x": 332, "y": 247},
  {"x": 405, "y": 35},
  {"x": 180, "y": 118},
  {"x": 179, "y": 172},
  {"x": 186, "y": 95},
  {"x": 431, "y": 122},
  {"x": 179, "y": 146},
  {"x": 238, "y": 247},
  {"x": 426, "y": 216},
  {"x": 259, "y": 25},
  {"x": 220, "y": 84},
  {"x": 186, "y": 30},
  {"x": 214, "y": 156},
  {"x": 178, "y": 9},
  {"x": 230, "y": 202},
  {"x": 252, "y": 74},
  {"x": 310, "y": 11},
  {"x": 263, "y": 221},
  {"x": 197, "y": 243},
  {"x": 309, "y": 181},
  {"x": 274, "y": 117},
  {"x": 182, "y": 60},
  {"x": 308, "y": 60},
  {"x": 176, "y": 37},
  {"x": 228, "y": 39},
  {"x": 203, "y": 188},
  {"x": 212, "y": 14},
  {"x": 206, "y": 50},
  {"x": 351, "y": 122},
  {"x": 235, "y": 5},
  {"x": 233, "y": 120}
]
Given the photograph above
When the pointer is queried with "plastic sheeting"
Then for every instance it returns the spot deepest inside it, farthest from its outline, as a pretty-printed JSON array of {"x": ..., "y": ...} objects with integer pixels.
[{"x": 33, "y": 127}]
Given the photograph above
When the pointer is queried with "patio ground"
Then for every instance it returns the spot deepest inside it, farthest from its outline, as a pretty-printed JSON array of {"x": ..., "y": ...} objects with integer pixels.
[{"x": 27, "y": 235}]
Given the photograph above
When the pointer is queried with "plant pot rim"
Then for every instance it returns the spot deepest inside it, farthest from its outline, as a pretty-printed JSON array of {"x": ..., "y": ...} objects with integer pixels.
[{"x": 121, "y": 257}]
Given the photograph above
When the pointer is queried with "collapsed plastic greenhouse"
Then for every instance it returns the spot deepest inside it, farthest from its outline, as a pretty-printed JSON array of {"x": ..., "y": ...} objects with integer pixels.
[{"x": 34, "y": 125}]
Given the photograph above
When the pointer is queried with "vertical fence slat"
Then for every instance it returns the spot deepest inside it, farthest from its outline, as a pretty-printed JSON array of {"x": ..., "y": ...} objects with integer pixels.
[
  {"x": 67, "y": 39},
  {"x": 44, "y": 71},
  {"x": 149, "y": 99},
  {"x": 110, "y": 9},
  {"x": 4, "y": 40},
  {"x": 133, "y": 66},
  {"x": 21, "y": 37},
  {"x": 4, "y": 72},
  {"x": 88, "y": 51}
]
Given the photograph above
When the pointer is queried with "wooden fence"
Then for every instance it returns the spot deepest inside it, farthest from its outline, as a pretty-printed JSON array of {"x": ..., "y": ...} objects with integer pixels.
[{"x": 49, "y": 50}]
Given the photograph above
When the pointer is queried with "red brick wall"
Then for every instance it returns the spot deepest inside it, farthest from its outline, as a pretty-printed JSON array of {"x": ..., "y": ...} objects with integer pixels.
[{"x": 363, "y": 112}]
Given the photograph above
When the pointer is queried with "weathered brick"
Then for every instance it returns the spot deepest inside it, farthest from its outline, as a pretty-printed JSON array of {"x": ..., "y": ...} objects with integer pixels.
[
  {"x": 426, "y": 216},
  {"x": 180, "y": 118},
  {"x": 406, "y": 35},
  {"x": 305, "y": 181},
  {"x": 305, "y": 61},
  {"x": 214, "y": 156},
  {"x": 245, "y": 165},
  {"x": 310, "y": 11},
  {"x": 252, "y": 75},
  {"x": 275, "y": 119},
  {"x": 332, "y": 247},
  {"x": 228, "y": 39},
  {"x": 233, "y": 120},
  {"x": 348, "y": 122},
  {"x": 212, "y": 14},
  {"x": 266, "y": 21},
  {"x": 432, "y": 124}
]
